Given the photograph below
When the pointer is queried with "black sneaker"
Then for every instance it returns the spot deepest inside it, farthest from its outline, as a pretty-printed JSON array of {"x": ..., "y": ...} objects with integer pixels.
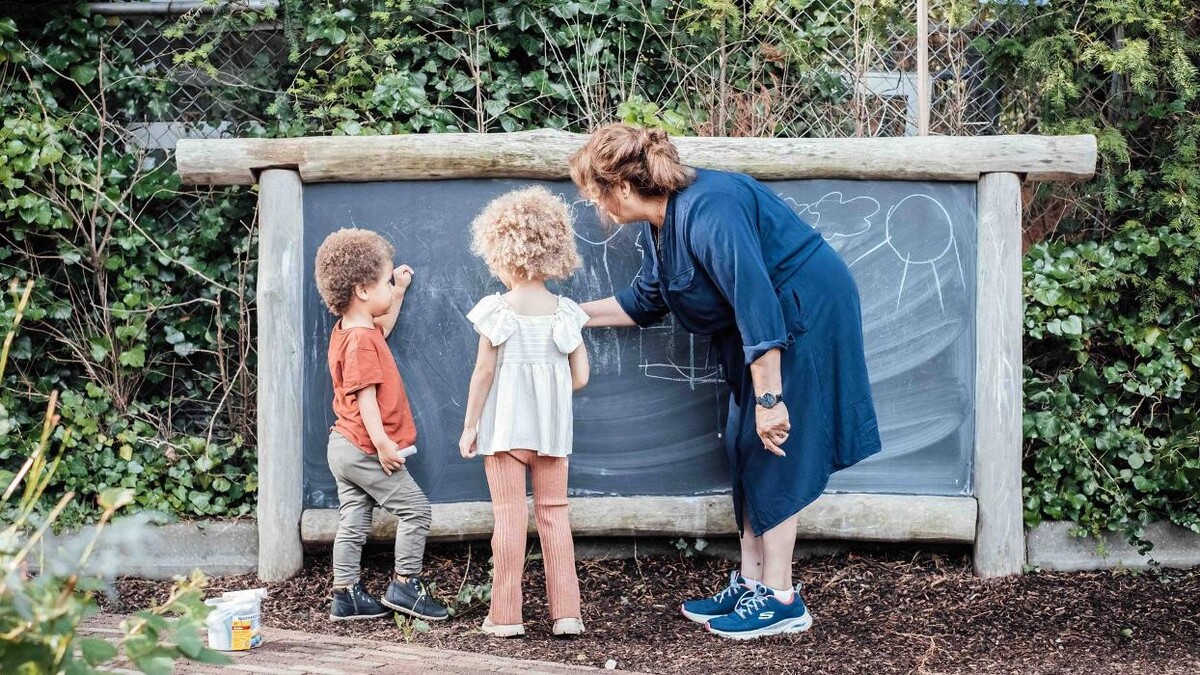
[
  {"x": 413, "y": 598},
  {"x": 356, "y": 603}
]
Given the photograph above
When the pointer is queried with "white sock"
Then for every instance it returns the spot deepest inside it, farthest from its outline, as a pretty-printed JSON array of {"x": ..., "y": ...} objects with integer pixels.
[
  {"x": 751, "y": 583},
  {"x": 783, "y": 596}
]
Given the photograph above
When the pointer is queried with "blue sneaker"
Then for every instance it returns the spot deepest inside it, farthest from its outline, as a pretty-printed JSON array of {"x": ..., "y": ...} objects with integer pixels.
[
  {"x": 760, "y": 614},
  {"x": 720, "y": 604}
]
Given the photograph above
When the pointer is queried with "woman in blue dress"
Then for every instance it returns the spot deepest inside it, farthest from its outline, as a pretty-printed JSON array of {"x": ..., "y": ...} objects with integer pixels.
[{"x": 729, "y": 259}]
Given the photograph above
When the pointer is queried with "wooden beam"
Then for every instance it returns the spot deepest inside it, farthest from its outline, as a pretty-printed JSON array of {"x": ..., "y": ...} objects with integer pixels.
[
  {"x": 543, "y": 154},
  {"x": 862, "y": 517},
  {"x": 1000, "y": 536},
  {"x": 280, "y": 359}
]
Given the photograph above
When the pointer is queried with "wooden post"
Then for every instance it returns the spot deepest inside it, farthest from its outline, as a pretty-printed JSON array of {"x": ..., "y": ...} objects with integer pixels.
[
  {"x": 923, "y": 95},
  {"x": 999, "y": 533},
  {"x": 280, "y": 358}
]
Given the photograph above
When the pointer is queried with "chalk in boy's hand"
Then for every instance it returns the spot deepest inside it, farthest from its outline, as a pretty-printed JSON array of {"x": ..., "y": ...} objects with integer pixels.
[{"x": 402, "y": 277}]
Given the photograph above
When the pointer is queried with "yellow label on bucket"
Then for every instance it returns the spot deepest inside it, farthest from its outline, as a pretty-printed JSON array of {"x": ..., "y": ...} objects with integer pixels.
[{"x": 241, "y": 633}]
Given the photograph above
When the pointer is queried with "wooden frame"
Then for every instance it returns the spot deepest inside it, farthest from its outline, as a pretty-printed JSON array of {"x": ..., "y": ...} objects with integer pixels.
[
  {"x": 543, "y": 155},
  {"x": 992, "y": 519}
]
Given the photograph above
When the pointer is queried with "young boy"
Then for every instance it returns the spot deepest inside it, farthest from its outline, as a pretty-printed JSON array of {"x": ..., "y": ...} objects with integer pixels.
[{"x": 374, "y": 431}]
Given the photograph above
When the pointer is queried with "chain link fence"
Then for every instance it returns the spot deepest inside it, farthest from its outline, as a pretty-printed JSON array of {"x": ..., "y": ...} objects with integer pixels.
[
  {"x": 228, "y": 94},
  {"x": 871, "y": 57}
]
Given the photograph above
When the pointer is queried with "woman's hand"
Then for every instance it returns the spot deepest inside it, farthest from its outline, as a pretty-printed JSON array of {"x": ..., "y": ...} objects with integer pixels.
[
  {"x": 773, "y": 425},
  {"x": 466, "y": 443}
]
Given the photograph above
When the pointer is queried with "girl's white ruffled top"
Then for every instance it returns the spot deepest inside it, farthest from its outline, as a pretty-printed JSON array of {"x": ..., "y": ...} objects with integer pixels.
[{"x": 529, "y": 405}]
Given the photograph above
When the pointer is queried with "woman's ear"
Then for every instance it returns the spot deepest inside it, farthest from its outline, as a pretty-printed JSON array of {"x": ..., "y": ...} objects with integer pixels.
[{"x": 625, "y": 189}]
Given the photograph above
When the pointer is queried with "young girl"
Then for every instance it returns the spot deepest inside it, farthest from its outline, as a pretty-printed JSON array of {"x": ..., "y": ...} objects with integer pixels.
[{"x": 531, "y": 357}]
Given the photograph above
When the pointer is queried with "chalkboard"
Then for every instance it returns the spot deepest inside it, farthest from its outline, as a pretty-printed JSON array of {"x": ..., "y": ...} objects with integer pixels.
[{"x": 650, "y": 422}]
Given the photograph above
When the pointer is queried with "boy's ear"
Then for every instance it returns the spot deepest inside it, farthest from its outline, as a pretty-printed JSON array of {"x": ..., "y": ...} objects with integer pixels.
[{"x": 361, "y": 292}]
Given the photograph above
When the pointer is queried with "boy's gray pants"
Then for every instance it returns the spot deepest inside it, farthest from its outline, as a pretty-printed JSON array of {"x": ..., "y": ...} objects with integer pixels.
[{"x": 361, "y": 485}]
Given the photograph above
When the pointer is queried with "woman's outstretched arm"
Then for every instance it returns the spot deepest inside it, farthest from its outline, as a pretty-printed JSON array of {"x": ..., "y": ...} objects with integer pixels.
[{"x": 606, "y": 313}]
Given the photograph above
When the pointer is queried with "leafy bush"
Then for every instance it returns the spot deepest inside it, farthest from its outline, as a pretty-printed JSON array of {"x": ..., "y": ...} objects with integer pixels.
[
  {"x": 141, "y": 317},
  {"x": 1113, "y": 337},
  {"x": 41, "y": 613}
]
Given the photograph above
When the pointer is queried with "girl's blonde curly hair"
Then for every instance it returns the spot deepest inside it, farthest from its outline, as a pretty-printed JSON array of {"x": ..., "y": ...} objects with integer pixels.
[{"x": 526, "y": 233}]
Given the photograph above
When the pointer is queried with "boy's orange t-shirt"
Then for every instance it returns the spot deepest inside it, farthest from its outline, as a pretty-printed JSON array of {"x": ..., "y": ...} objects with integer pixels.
[{"x": 360, "y": 357}]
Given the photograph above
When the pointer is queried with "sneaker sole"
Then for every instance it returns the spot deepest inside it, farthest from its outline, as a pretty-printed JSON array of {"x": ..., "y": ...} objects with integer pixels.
[
  {"x": 410, "y": 612},
  {"x": 797, "y": 625},
  {"x": 574, "y": 630},
  {"x": 504, "y": 631},
  {"x": 358, "y": 617},
  {"x": 698, "y": 618}
]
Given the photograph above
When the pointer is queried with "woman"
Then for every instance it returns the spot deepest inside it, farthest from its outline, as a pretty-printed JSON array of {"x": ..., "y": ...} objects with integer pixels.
[{"x": 730, "y": 259}]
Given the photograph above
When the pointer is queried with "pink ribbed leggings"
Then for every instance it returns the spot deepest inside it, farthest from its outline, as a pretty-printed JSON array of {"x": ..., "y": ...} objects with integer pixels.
[{"x": 506, "y": 480}]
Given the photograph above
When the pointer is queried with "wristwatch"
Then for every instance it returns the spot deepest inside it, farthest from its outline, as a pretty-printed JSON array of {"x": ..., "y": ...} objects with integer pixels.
[{"x": 769, "y": 400}]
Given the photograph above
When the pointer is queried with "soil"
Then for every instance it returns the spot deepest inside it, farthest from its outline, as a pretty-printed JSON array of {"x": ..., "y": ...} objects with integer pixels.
[{"x": 875, "y": 611}]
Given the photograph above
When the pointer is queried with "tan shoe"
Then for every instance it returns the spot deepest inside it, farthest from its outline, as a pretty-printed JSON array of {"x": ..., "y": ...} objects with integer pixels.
[
  {"x": 502, "y": 630},
  {"x": 568, "y": 627}
]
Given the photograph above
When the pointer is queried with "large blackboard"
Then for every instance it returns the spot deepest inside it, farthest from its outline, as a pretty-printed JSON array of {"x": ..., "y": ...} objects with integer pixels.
[{"x": 650, "y": 422}]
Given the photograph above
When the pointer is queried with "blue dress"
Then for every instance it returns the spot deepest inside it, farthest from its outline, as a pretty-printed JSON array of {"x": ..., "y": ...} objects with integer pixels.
[{"x": 734, "y": 262}]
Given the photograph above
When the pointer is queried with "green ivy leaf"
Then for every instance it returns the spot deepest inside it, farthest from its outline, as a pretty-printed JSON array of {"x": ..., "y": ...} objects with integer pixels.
[
  {"x": 134, "y": 357},
  {"x": 199, "y": 500},
  {"x": 1073, "y": 325}
]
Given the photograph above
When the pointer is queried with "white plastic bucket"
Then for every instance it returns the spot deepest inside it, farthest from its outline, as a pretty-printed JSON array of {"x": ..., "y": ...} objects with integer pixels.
[{"x": 235, "y": 622}]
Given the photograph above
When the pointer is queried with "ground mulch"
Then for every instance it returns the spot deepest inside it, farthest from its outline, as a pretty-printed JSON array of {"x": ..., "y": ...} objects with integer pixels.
[{"x": 876, "y": 611}]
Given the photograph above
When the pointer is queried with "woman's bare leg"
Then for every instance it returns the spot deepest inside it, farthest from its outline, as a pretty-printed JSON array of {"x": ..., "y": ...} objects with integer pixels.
[
  {"x": 752, "y": 551},
  {"x": 778, "y": 547}
]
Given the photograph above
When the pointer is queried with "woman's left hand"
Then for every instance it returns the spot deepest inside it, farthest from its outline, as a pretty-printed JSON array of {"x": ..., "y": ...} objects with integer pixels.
[{"x": 773, "y": 426}]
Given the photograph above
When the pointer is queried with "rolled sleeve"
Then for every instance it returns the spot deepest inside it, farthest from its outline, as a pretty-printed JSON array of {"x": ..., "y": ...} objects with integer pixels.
[
  {"x": 644, "y": 308},
  {"x": 643, "y": 300},
  {"x": 725, "y": 242}
]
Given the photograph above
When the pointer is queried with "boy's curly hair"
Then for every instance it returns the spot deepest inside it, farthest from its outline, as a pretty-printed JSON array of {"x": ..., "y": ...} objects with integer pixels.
[
  {"x": 527, "y": 233},
  {"x": 347, "y": 258}
]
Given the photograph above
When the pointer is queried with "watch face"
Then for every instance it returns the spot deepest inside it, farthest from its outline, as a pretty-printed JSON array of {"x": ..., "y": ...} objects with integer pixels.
[{"x": 767, "y": 400}]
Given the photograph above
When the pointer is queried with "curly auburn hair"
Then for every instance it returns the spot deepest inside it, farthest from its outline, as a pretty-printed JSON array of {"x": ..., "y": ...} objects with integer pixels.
[
  {"x": 618, "y": 152},
  {"x": 348, "y": 258},
  {"x": 526, "y": 233}
]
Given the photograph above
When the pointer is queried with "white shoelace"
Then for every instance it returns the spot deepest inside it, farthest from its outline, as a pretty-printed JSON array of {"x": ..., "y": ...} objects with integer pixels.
[
  {"x": 752, "y": 603},
  {"x": 729, "y": 591}
]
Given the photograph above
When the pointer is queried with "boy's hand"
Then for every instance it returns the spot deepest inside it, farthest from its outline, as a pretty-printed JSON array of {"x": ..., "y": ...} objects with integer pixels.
[
  {"x": 402, "y": 277},
  {"x": 466, "y": 444},
  {"x": 389, "y": 456}
]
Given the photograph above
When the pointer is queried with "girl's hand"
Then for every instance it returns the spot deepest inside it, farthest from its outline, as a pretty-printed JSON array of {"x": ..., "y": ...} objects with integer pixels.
[
  {"x": 402, "y": 277},
  {"x": 773, "y": 425},
  {"x": 466, "y": 443}
]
